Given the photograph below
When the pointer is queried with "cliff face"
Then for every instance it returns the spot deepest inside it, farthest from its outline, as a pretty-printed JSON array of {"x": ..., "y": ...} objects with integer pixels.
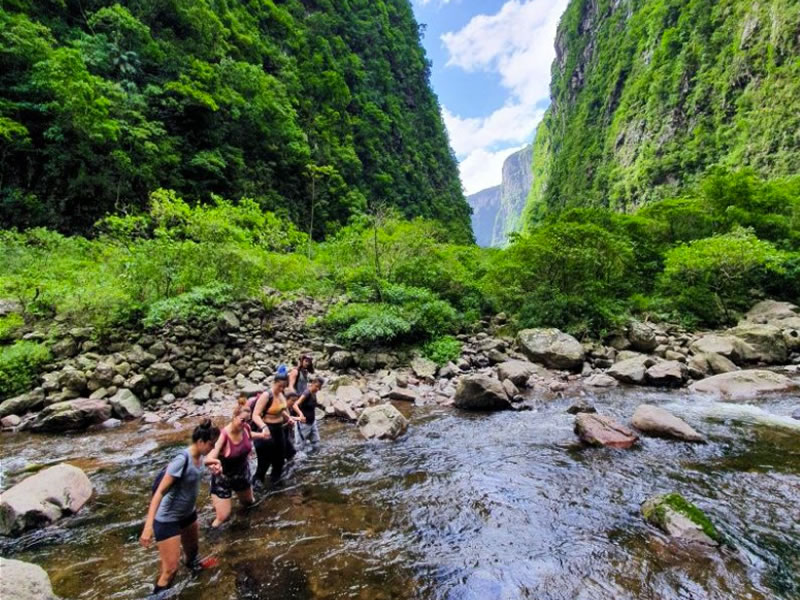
[
  {"x": 646, "y": 94},
  {"x": 496, "y": 211}
]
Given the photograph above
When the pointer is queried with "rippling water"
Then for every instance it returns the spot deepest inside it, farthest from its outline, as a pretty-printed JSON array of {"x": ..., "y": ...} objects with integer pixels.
[{"x": 490, "y": 506}]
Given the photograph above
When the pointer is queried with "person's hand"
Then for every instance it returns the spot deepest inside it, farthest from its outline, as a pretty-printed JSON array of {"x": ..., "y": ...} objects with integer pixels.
[
  {"x": 302, "y": 419},
  {"x": 147, "y": 536},
  {"x": 215, "y": 468}
]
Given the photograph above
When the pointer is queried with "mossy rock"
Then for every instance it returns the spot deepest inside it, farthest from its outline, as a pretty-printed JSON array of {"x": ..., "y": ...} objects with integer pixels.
[{"x": 680, "y": 519}]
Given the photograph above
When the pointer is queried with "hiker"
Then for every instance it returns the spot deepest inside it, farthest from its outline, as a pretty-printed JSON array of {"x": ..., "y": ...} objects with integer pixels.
[
  {"x": 172, "y": 516},
  {"x": 290, "y": 426},
  {"x": 298, "y": 377},
  {"x": 306, "y": 410},
  {"x": 229, "y": 464},
  {"x": 269, "y": 415}
]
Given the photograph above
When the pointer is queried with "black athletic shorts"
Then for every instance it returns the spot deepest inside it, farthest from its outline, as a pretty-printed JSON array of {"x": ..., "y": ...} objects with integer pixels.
[
  {"x": 165, "y": 530},
  {"x": 223, "y": 486}
]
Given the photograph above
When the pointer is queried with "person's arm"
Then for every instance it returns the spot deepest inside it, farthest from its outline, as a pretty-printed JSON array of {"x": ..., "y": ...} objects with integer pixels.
[
  {"x": 258, "y": 410},
  {"x": 296, "y": 407},
  {"x": 212, "y": 458},
  {"x": 147, "y": 533},
  {"x": 293, "y": 374}
]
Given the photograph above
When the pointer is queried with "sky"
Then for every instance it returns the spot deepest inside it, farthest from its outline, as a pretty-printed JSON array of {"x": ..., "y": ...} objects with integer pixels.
[{"x": 491, "y": 71}]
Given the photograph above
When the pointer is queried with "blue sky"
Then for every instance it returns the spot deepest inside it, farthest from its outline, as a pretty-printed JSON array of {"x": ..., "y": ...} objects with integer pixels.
[{"x": 491, "y": 71}]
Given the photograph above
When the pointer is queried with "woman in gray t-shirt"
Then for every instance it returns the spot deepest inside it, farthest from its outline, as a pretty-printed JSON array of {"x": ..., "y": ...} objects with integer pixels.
[{"x": 172, "y": 518}]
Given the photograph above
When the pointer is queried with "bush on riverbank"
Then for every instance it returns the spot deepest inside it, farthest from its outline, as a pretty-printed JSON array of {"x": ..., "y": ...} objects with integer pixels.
[{"x": 19, "y": 364}]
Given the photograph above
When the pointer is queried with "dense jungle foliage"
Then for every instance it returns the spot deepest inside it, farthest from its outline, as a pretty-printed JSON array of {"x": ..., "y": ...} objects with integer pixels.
[
  {"x": 315, "y": 110},
  {"x": 647, "y": 94}
]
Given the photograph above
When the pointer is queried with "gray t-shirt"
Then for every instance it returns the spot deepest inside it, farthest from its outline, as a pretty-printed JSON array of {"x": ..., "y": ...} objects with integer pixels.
[{"x": 179, "y": 501}]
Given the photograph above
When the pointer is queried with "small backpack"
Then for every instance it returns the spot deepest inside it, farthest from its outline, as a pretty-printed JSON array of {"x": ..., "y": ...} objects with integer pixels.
[
  {"x": 251, "y": 404},
  {"x": 163, "y": 471}
]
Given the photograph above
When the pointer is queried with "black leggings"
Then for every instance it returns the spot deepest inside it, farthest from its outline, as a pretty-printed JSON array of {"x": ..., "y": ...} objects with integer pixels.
[{"x": 271, "y": 452}]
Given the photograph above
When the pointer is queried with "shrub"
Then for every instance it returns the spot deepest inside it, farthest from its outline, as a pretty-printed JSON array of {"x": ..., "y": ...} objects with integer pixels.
[
  {"x": 442, "y": 350},
  {"x": 368, "y": 324},
  {"x": 9, "y": 325},
  {"x": 202, "y": 303},
  {"x": 19, "y": 365}
]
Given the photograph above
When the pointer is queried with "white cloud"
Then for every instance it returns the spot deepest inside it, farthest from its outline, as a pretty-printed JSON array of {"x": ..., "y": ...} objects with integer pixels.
[
  {"x": 482, "y": 169},
  {"x": 513, "y": 123}
]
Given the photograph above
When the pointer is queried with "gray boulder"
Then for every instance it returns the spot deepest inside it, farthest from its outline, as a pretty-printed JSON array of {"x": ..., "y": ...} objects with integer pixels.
[
  {"x": 601, "y": 430},
  {"x": 510, "y": 388},
  {"x": 24, "y": 581},
  {"x": 228, "y": 322},
  {"x": 125, "y": 405},
  {"x": 383, "y": 422},
  {"x": 791, "y": 333},
  {"x": 668, "y": 373},
  {"x": 402, "y": 394},
  {"x": 424, "y": 368},
  {"x": 768, "y": 311},
  {"x": 744, "y": 385},
  {"x": 43, "y": 498},
  {"x": 641, "y": 337},
  {"x": 19, "y": 405},
  {"x": 341, "y": 360},
  {"x": 680, "y": 519},
  {"x": 160, "y": 372},
  {"x": 709, "y": 363},
  {"x": 517, "y": 371},
  {"x": 478, "y": 392},
  {"x": 201, "y": 394},
  {"x": 72, "y": 379},
  {"x": 600, "y": 380},
  {"x": 552, "y": 348},
  {"x": 632, "y": 370},
  {"x": 731, "y": 347},
  {"x": 767, "y": 342},
  {"x": 659, "y": 422},
  {"x": 72, "y": 415}
]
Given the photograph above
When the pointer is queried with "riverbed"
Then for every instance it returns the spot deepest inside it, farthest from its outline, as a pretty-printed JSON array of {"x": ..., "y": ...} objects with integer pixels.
[{"x": 465, "y": 506}]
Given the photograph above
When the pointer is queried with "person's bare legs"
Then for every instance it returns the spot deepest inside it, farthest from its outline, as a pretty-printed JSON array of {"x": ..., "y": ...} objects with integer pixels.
[
  {"x": 169, "y": 551},
  {"x": 190, "y": 541},
  {"x": 222, "y": 506},
  {"x": 246, "y": 496}
]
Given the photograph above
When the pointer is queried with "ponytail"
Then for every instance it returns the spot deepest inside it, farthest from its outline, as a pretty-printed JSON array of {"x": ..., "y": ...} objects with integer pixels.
[{"x": 205, "y": 432}]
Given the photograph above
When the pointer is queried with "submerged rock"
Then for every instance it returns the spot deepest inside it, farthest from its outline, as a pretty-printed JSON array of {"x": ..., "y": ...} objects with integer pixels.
[
  {"x": 657, "y": 421},
  {"x": 478, "y": 392},
  {"x": 600, "y": 430},
  {"x": 744, "y": 385},
  {"x": 680, "y": 519},
  {"x": 582, "y": 406},
  {"x": 552, "y": 348},
  {"x": 383, "y": 422},
  {"x": 24, "y": 581},
  {"x": 43, "y": 498}
]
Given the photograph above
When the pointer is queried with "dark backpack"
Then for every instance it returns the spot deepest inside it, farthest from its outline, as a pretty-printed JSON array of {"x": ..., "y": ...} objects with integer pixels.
[
  {"x": 163, "y": 471},
  {"x": 251, "y": 404}
]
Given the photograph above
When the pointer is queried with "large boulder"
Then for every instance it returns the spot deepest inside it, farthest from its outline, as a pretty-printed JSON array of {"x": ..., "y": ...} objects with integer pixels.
[
  {"x": 668, "y": 373},
  {"x": 768, "y": 311},
  {"x": 478, "y": 392},
  {"x": 744, "y": 385},
  {"x": 43, "y": 498},
  {"x": 201, "y": 394},
  {"x": 19, "y": 405},
  {"x": 791, "y": 333},
  {"x": 24, "y": 581},
  {"x": 600, "y": 380},
  {"x": 641, "y": 337},
  {"x": 160, "y": 372},
  {"x": 72, "y": 379},
  {"x": 731, "y": 347},
  {"x": 709, "y": 363},
  {"x": 552, "y": 348},
  {"x": 424, "y": 368},
  {"x": 600, "y": 430},
  {"x": 341, "y": 360},
  {"x": 659, "y": 422},
  {"x": 632, "y": 370},
  {"x": 383, "y": 422},
  {"x": 766, "y": 340},
  {"x": 518, "y": 371},
  {"x": 125, "y": 405},
  {"x": 72, "y": 415},
  {"x": 680, "y": 519}
]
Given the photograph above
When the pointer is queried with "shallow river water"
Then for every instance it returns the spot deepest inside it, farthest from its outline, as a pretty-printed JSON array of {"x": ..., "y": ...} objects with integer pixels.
[{"x": 465, "y": 506}]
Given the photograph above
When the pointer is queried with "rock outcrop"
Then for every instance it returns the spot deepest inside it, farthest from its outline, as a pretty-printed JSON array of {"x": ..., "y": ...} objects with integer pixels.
[
  {"x": 552, "y": 348},
  {"x": 383, "y": 422},
  {"x": 478, "y": 392},
  {"x": 656, "y": 421},
  {"x": 744, "y": 385},
  {"x": 43, "y": 498}
]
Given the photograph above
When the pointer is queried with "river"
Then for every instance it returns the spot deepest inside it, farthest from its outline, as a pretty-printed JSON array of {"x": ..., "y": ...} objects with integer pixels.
[{"x": 465, "y": 506}]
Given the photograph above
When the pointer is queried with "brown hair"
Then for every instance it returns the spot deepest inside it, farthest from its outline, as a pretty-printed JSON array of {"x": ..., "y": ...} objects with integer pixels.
[{"x": 241, "y": 404}]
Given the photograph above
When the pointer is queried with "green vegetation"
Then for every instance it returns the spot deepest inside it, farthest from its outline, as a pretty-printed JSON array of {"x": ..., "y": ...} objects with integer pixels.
[
  {"x": 19, "y": 364},
  {"x": 442, "y": 350},
  {"x": 647, "y": 94},
  {"x": 314, "y": 110},
  {"x": 9, "y": 325},
  {"x": 657, "y": 514}
]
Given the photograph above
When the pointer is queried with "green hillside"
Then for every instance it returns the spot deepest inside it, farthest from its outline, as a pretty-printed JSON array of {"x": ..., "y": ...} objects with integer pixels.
[
  {"x": 647, "y": 94},
  {"x": 288, "y": 103}
]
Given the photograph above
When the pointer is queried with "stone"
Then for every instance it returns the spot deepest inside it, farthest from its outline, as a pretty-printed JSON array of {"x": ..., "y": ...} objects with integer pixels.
[
  {"x": 401, "y": 380},
  {"x": 123, "y": 368},
  {"x": 448, "y": 371},
  {"x": 99, "y": 394},
  {"x": 19, "y": 405},
  {"x": 768, "y": 311},
  {"x": 731, "y": 347},
  {"x": 151, "y": 418},
  {"x": 662, "y": 423},
  {"x": 158, "y": 349},
  {"x": 641, "y": 337},
  {"x": 9, "y": 306},
  {"x": 600, "y": 430},
  {"x": 350, "y": 394},
  {"x": 510, "y": 388},
  {"x": 344, "y": 410},
  {"x": 138, "y": 356},
  {"x": 125, "y": 405},
  {"x": 250, "y": 388},
  {"x": 21, "y": 580},
  {"x": 71, "y": 378},
  {"x": 767, "y": 342},
  {"x": 668, "y": 373},
  {"x": 43, "y": 498},
  {"x": 182, "y": 390},
  {"x": 582, "y": 406},
  {"x": 744, "y": 385},
  {"x": 10, "y": 421},
  {"x": 110, "y": 424},
  {"x": 709, "y": 363},
  {"x": 674, "y": 355},
  {"x": 478, "y": 392},
  {"x": 518, "y": 371},
  {"x": 552, "y": 348},
  {"x": 600, "y": 380},
  {"x": 383, "y": 422},
  {"x": 228, "y": 321},
  {"x": 257, "y": 375},
  {"x": 402, "y": 394},
  {"x": 791, "y": 333},
  {"x": 680, "y": 519},
  {"x": 137, "y": 383},
  {"x": 72, "y": 415},
  {"x": 341, "y": 360},
  {"x": 632, "y": 370},
  {"x": 624, "y": 355},
  {"x": 424, "y": 368},
  {"x": 495, "y": 356},
  {"x": 65, "y": 348},
  {"x": 160, "y": 372}
]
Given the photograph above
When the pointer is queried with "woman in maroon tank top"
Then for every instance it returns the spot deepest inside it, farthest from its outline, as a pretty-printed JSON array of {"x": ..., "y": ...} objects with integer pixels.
[{"x": 229, "y": 464}]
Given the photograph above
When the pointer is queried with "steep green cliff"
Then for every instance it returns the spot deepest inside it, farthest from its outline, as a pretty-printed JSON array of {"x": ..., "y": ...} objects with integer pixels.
[
  {"x": 291, "y": 103},
  {"x": 646, "y": 94}
]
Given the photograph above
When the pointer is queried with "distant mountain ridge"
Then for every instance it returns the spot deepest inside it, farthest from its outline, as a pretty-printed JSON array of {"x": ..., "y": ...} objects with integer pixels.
[{"x": 496, "y": 210}]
